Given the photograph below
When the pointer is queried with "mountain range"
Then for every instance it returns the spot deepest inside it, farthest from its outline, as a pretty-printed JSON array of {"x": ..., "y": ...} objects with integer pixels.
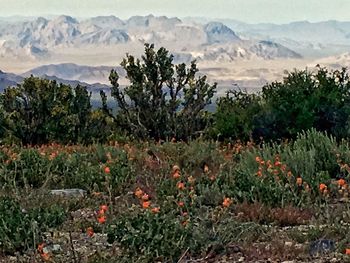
[
  {"x": 308, "y": 39},
  {"x": 230, "y": 52},
  {"x": 42, "y": 38},
  {"x": 10, "y": 79}
]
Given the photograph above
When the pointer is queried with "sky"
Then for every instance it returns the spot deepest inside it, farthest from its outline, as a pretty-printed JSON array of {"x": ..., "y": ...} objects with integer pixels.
[{"x": 251, "y": 11}]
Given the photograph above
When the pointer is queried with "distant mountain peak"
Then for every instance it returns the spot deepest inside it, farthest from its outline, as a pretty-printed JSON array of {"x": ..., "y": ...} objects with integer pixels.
[
  {"x": 65, "y": 19},
  {"x": 217, "y": 32},
  {"x": 106, "y": 21},
  {"x": 41, "y": 20}
]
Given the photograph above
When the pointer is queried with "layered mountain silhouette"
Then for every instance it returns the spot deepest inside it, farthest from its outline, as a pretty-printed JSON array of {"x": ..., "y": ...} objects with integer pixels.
[{"x": 42, "y": 38}]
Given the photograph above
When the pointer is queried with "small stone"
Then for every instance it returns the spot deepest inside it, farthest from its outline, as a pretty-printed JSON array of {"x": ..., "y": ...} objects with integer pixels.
[
  {"x": 288, "y": 244},
  {"x": 289, "y": 261},
  {"x": 241, "y": 259},
  {"x": 52, "y": 248},
  {"x": 13, "y": 258},
  {"x": 69, "y": 192}
]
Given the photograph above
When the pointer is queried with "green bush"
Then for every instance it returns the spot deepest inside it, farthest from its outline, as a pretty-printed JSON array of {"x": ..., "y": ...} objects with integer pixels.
[
  {"x": 305, "y": 100},
  {"x": 17, "y": 228},
  {"x": 163, "y": 100},
  {"x": 165, "y": 236},
  {"x": 312, "y": 157},
  {"x": 235, "y": 115},
  {"x": 40, "y": 111},
  {"x": 150, "y": 236},
  {"x": 20, "y": 229}
]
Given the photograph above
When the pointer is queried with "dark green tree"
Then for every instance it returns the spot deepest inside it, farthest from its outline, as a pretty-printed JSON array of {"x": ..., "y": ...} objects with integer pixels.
[
  {"x": 39, "y": 111},
  {"x": 234, "y": 116},
  {"x": 162, "y": 100},
  {"x": 306, "y": 100}
]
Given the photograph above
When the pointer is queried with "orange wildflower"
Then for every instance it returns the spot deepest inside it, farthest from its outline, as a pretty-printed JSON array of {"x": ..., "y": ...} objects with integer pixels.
[
  {"x": 258, "y": 159},
  {"x": 184, "y": 214},
  {"x": 212, "y": 178},
  {"x": 41, "y": 247},
  {"x": 347, "y": 251},
  {"x": 138, "y": 193},
  {"x": 323, "y": 187},
  {"x": 289, "y": 174},
  {"x": 104, "y": 208},
  {"x": 259, "y": 173},
  {"x": 227, "y": 202},
  {"x": 206, "y": 168},
  {"x": 145, "y": 197},
  {"x": 181, "y": 204},
  {"x": 146, "y": 204},
  {"x": 90, "y": 231},
  {"x": 341, "y": 182},
  {"x": 107, "y": 170},
  {"x": 101, "y": 219},
  {"x": 278, "y": 163},
  {"x": 299, "y": 181},
  {"x": 180, "y": 186},
  {"x": 155, "y": 210},
  {"x": 184, "y": 223},
  {"x": 176, "y": 174},
  {"x": 45, "y": 256}
]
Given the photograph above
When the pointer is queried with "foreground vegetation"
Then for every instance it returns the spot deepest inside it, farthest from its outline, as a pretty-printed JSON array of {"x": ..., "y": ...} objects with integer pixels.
[
  {"x": 264, "y": 177},
  {"x": 172, "y": 201}
]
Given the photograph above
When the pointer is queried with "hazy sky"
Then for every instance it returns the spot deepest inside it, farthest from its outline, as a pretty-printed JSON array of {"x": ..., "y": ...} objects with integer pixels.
[{"x": 278, "y": 11}]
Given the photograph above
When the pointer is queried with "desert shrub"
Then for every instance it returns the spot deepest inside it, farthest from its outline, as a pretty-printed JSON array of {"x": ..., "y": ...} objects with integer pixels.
[
  {"x": 48, "y": 216},
  {"x": 235, "y": 115},
  {"x": 324, "y": 147},
  {"x": 53, "y": 167},
  {"x": 40, "y": 111},
  {"x": 87, "y": 170},
  {"x": 305, "y": 100},
  {"x": 21, "y": 229},
  {"x": 26, "y": 168},
  {"x": 269, "y": 173},
  {"x": 163, "y": 100},
  {"x": 146, "y": 236},
  {"x": 16, "y": 227},
  {"x": 150, "y": 236}
]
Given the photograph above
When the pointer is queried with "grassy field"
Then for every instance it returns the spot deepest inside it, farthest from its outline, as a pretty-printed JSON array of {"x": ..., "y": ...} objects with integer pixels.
[{"x": 177, "y": 202}]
